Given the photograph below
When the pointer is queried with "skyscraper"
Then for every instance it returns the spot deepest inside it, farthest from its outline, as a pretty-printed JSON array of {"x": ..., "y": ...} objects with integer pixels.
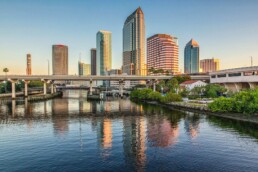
[
  {"x": 84, "y": 69},
  {"x": 210, "y": 65},
  {"x": 162, "y": 53},
  {"x": 60, "y": 59},
  {"x": 93, "y": 61},
  {"x": 104, "y": 52},
  {"x": 191, "y": 59},
  {"x": 134, "y": 43},
  {"x": 28, "y": 69}
]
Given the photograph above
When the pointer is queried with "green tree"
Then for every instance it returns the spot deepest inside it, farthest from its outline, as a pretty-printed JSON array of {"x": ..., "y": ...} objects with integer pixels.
[
  {"x": 173, "y": 85},
  {"x": 5, "y": 70}
]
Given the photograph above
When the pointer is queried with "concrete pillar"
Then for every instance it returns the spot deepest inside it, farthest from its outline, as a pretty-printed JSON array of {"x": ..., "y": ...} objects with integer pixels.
[
  {"x": 121, "y": 88},
  {"x": 90, "y": 87},
  {"x": 45, "y": 88},
  {"x": 26, "y": 88},
  {"x": 252, "y": 85},
  {"x": 13, "y": 90},
  {"x": 52, "y": 88},
  {"x": 154, "y": 85}
]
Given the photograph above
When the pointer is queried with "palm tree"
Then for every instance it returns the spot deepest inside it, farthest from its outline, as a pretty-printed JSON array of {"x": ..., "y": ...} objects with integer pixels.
[{"x": 5, "y": 70}]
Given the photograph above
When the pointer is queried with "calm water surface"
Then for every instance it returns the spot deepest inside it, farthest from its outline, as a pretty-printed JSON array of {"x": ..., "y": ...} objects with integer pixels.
[{"x": 72, "y": 134}]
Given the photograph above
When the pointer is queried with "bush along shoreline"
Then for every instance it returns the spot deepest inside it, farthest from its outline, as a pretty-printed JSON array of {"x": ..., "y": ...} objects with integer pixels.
[
  {"x": 245, "y": 102},
  {"x": 242, "y": 106},
  {"x": 149, "y": 95}
]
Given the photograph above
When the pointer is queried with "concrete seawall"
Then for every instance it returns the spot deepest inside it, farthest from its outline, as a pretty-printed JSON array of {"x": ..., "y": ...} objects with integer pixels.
[
  {"x": 204, "y": 110},
  {"x": 44, "y": 97}
]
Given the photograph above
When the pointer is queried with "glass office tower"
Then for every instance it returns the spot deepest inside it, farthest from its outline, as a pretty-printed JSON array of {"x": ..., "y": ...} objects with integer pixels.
[
  {"x": 134, "y": 44},
  {"x": 104, "y": 52},
  {"x": 191, "y": 57}
]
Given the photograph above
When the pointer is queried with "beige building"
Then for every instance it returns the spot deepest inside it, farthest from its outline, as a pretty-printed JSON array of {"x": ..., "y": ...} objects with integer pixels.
[
  {"x": 162, "y": 53},
  {"x": 60, "y": 59},
  {"x": 134, "y": 43},
  {"x": 84, "y": 69},
  {"x": 209, "y": 65},
  {"x": 28, "y": 69}
]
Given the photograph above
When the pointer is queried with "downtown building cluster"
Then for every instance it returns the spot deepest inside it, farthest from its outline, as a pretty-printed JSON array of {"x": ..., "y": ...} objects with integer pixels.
[{"x": 162, "y": 53}]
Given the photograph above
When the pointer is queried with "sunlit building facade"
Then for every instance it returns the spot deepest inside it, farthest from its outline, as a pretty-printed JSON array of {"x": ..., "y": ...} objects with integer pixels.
[
  {"x": 104, "y": 52},
  {"x": 84, "y": 69},
  {"x": 162, "y": 53},
  {"x": 28, "y": 69},
  {"x": 134, "y": 43},
  {"x": 210, "y": 65},
  {"x": 60, "y": 59},
  {"x": 191, "y": 57}
]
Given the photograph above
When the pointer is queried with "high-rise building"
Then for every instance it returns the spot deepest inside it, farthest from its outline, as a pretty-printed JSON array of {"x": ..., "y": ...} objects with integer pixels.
[
  {"x": 93, "y": 61},
  {"x": 191, "y": 59},
  {"x": 104, "y": 52},
  {"x": 134, "y": 43},
  {"x": 60, "y": 59},
  {"x": 28, "y": 69},
  {"x": 162, "y": 53},
  {"x": 210, "y": 65},
  {"x": 84, "y": 69}
]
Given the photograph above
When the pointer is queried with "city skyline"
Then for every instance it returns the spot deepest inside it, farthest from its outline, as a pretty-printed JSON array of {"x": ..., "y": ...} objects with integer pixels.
[{"x": 39, "y": 37}]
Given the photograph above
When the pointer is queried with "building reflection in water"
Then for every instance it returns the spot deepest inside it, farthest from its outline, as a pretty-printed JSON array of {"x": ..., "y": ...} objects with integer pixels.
[
  {"x": 107, "y": 134},
  {"x": 134, "y": 132},
  {"x": 162, "y": 133},
  {"x": 60, "y": 116},
  {"x": 192, "y": 122}
]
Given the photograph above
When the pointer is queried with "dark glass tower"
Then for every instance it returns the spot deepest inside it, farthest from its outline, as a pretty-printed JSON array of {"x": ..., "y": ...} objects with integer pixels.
[{"x": 192, "y": 59}]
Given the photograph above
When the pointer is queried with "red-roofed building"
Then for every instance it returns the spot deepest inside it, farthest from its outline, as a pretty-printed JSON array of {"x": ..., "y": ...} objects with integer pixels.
[{"x": 189, "y": 85}]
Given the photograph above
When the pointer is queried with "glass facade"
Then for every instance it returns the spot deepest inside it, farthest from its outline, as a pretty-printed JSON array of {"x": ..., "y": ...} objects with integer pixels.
[
  {"x": 104, "y": 52},
  {"x": 191, "y": 57},
  {"x": 134, "y": 44}
]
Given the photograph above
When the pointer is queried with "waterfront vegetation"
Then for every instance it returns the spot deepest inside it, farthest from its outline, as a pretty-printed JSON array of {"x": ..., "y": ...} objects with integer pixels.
[
  {"x": 243, "y": 102},
  {"x": 224, "y": 101},
  {"x": 149, "y": 95}
]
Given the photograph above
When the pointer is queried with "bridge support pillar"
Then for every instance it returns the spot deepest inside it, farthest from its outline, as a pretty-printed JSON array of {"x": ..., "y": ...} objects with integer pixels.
[
  {"x": 52, "y": 88},
  {"x": 252, "y": 85},
  {"x": 13, "y": 88},
  {"x": 121, "y": 82},
  {"x": 45, "y": 82},
  {"x": 90, "y": 87},
  {"x": 154, "y": 85},
  {"x": 26, "y": 88}
]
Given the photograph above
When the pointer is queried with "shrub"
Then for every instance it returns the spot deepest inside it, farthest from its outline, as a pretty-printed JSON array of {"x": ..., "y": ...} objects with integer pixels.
[
  {"x": 222, "y": 104},
  {"x": 155, "y": 96},
  {"x": 171, "y": 97}
]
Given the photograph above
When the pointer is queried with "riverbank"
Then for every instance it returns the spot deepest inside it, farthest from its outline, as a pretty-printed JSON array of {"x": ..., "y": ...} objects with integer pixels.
[
  {"x": 202, "y": 108},
  {"x": 19, "y": 94},
  {"x": 43, "y": 97}
]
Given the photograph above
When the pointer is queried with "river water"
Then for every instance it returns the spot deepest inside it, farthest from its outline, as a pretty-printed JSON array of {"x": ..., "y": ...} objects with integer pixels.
[{"x": 73, "y": 134}]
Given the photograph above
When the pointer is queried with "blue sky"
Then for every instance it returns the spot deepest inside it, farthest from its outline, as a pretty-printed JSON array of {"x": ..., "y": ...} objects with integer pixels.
[{"x": 225, "y": 29}]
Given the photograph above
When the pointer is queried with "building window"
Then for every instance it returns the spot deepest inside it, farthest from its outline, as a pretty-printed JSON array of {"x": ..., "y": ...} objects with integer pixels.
[
  {"x": 234, "y": 74},
  {"x": 222, "y": 75},
  {"x": 213, "y": 76}
]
